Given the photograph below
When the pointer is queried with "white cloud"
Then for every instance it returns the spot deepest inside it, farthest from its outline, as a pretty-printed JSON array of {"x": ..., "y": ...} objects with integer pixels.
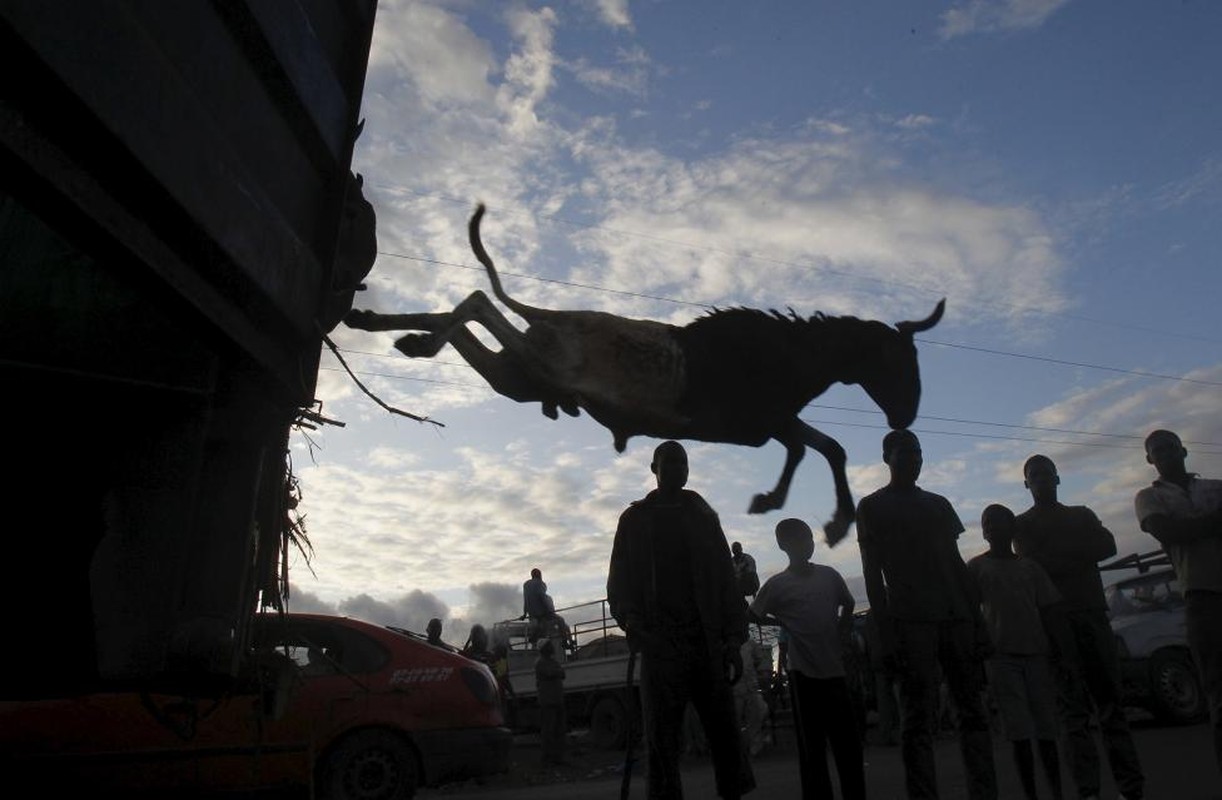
[
  {"x": 528, "y": 72},
  {"x": 613, "y": 13},
  {"x": 990, "y": 16},
  {"x": 422, "y": 48}
]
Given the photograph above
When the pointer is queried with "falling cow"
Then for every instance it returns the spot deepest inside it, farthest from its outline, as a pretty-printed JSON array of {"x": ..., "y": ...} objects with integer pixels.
[{"x": 738, "y": 375}]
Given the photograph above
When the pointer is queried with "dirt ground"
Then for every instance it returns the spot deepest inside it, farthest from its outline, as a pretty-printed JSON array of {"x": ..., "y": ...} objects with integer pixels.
[
  {"x": 583, "y": 763},
  {"x": 526, "y": 768}
]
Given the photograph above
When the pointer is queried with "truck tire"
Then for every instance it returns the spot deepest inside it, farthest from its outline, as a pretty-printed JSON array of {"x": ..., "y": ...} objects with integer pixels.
[
  {"x": 1175, "y": 688},
  {"x": 608, "y": 723}
]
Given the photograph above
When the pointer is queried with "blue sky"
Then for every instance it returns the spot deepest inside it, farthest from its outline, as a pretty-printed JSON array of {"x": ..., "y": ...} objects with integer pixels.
[{"x": 1053, "y": 169}]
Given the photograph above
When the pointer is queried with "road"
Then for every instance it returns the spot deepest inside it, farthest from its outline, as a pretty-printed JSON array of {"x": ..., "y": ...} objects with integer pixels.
[{"x": 1177, "y": 761}]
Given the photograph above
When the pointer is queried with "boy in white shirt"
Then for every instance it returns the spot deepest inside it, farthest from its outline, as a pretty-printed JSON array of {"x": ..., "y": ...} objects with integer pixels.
[{"x": 814, "y": 604}]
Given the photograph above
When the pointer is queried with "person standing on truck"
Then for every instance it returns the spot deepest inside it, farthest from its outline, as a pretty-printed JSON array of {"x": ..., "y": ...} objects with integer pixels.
[
  {"x": 549, "y": 680},
  {"x": 671, "y": 587},
  {"x": 1184, "y": 512},
  {"x": 1068, "y": 542},
  {"x": 538, "y": 607}
]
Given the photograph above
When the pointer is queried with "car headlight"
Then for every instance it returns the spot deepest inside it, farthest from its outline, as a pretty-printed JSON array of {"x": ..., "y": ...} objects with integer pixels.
[{"x": 481, "y": 685}]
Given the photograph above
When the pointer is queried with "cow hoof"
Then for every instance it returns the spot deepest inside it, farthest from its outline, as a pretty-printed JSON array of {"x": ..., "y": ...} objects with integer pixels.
[
  {"x": 417, "y": 345},
  {"x": 836, "y": 529},
  {"x": 571, "y": 409},
  {"x": 358, "y": 319},
  {"x": 762, "y": 503},
  {"x": 549, "y": 411}
]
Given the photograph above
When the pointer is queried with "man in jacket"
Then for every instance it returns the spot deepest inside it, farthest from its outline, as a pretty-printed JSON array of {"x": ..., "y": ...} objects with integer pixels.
[{"x": 671, "y": 587}]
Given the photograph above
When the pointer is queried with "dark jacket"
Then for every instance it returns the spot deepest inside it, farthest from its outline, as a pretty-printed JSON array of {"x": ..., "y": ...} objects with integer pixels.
[{"x": 634, "y": 574}]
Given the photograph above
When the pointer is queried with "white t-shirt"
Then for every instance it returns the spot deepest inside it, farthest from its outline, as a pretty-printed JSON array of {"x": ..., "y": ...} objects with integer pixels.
[
  {"x": 808, "y": 602},
  {"x": 1197, "y": 564}
]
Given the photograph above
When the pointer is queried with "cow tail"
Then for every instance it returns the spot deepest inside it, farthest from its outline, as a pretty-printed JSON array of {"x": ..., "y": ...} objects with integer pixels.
[{"x": 480, "y": 253}]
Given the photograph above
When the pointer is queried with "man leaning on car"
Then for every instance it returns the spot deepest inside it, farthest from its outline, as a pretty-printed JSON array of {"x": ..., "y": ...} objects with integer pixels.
[{"x": 1184, "y": 512}]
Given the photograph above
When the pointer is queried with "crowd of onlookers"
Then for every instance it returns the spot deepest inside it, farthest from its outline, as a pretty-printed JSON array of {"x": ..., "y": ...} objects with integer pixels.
[{"x": 1019, "y": 634}]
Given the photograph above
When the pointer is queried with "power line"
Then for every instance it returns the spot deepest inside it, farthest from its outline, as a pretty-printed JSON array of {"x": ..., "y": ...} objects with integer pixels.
[
  {"x": 1138, "y": 440},
  {"x": 1063, "y": 362}
]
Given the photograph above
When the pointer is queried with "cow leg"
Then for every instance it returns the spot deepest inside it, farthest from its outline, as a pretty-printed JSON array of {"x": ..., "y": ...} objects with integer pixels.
[
  {"x": 375, "y": 321},
  {"x": 796, "y": 437},
  {"x": 440, "y": 328},
  {"x": 507, "y": 374}
]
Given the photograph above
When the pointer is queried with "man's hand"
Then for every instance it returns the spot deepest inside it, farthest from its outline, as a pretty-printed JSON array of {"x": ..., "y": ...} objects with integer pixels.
[{"x": 732, "y": 661}]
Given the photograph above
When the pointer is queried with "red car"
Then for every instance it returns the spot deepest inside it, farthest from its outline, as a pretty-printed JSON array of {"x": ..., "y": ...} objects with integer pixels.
[{"x": 352, "y": 709}]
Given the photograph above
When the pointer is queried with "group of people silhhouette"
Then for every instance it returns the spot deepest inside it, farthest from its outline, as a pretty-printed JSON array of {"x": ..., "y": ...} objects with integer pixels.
[{"x": 1027, "y": 620}]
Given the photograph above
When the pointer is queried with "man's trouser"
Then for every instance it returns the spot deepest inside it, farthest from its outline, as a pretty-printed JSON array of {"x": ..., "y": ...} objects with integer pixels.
[
  {"x": 1088, "y": 678},
  {"x": 922, "y": 647},
  {"x": 824, "y": 715},
  {"x": 1204, "y": 617},
  {"x": 552, "y": 732},
  {"x": 668, "y": 683}
]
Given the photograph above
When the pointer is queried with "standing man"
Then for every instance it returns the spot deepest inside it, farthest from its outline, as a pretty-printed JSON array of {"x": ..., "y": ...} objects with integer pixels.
[
  {"x": 1184, "y": 512},
  {"x": 671, "y": 587},
  {"x": 1068, "y": 542},
  {"x": 549, "y": 680},
  {"x": 928, "y": 614},
  {"x": 744, "y": 570}
]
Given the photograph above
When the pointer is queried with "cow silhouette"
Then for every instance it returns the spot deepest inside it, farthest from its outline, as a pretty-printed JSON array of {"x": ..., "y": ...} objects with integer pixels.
[{"x": 736, "y": 376}]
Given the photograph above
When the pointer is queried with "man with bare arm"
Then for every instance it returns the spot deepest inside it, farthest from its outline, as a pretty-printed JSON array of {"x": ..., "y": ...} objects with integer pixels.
[{"x": 1184, "y": 512}]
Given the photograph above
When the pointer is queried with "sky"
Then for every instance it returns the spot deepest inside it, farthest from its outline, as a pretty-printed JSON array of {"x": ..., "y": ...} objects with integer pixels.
[{"x": 1052, "y": 168}]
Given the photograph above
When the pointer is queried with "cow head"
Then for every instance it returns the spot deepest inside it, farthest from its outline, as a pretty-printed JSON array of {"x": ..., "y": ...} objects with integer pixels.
[{"x": 889, "y": 371}]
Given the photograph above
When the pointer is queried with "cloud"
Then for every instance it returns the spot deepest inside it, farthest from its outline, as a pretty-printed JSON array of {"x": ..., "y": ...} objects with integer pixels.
[
  {"x": 528, "y": 71},
  {"x": 629, "y": 75},
  {"x": 1205, "y": 181},
  {"x": 492, "y": 602},
  {"x": 613, "y": 13},
  {"x": 992, "y": 16},
  {"x": 817, "y": 221}
]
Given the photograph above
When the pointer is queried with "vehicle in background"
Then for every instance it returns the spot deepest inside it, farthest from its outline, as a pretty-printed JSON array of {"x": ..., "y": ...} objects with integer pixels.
[
  {"x": 596, "y": 691},
  {"x": 347, "y": 708},
  {"x": 1148, "y": 619},
  {"x": 596, "y": 684}
]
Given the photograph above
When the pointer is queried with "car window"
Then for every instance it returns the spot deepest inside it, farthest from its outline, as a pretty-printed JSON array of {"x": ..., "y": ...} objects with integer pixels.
[
  {"x": 1145, "y": 594},
  {"x": 323, "y": 648}
]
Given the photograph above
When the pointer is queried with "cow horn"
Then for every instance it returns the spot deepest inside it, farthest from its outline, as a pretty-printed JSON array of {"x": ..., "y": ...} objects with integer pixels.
[{"x": 911, "y": 328}]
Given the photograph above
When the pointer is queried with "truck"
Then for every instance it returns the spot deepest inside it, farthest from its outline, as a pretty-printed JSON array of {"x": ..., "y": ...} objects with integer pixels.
[
  {"x": 597, "y": 689},
  {"x": 600, "y": 693}
]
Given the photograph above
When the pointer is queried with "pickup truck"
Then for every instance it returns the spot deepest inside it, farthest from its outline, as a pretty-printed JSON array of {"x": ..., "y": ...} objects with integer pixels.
[{"x": 596, "y": 682}]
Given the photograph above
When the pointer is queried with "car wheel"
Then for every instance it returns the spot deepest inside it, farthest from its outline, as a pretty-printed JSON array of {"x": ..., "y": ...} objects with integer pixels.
[
  {"x": 608, "y": 723},
  {"x": 370, "y": 765},
  {"x": 1175, "y": 688}
]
